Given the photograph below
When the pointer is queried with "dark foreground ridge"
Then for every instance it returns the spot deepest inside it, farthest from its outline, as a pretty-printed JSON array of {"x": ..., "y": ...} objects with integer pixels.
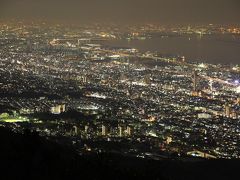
[{"x": 28, "y": 156}]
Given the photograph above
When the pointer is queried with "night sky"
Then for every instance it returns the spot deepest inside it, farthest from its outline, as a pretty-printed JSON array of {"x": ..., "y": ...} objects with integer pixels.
[{"x": 124, "y": 11}]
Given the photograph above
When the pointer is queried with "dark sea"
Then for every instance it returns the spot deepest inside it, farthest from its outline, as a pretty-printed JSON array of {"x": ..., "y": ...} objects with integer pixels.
[{"x": 216, "y": 49}]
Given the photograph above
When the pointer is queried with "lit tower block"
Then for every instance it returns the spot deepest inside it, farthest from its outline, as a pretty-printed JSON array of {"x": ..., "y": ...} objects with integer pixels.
[
  {"x": 120, "y": 131},
  {"x": 58, "y": 109},
  {"x": 129, "y": 131},
  {"x": 104, "y": 130},
  {"x": 227, "y": 110},
  {"x": 195, "y": 82},
  {"x": 211, "y": 85},
  {"x": 86, "y": 129},
  {"x": 182, "y": 59}
]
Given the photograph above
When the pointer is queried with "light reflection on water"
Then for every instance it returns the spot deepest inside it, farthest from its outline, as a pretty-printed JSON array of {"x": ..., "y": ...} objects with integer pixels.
[{"x": 208, "y": 48}]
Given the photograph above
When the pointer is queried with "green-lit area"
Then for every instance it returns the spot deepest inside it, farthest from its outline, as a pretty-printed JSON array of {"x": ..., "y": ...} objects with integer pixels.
[
  {"x": 14, "y": 120},
  {"x": 9, "y": 119}
]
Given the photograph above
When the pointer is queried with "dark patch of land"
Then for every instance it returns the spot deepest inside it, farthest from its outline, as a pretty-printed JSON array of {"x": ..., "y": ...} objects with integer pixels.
[{"x": 29, "y": 156}]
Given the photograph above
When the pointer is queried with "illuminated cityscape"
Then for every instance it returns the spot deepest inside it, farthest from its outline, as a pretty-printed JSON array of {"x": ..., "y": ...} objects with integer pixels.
[
  {"x": 122, "y": 96},
  {"x": 165, "y": 104}
]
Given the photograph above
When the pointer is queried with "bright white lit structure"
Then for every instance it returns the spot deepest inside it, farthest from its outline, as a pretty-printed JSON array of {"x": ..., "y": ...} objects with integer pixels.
[{"x": 238, "y": 89}]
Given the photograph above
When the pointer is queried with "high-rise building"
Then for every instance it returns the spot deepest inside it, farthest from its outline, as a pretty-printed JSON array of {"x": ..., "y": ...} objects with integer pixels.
[
  {"x": 234, "y": 114},
  {"x": 195, "y": 91},
  {"x": 104, "y": 130},
  {"x": 120, "y": 128},
  {"x": 227, "y": 110},
  {"x": 86, "y": 129},
  {"x": 211, "y": 85},
  {"x": 182, "y": 59},
  {"x": 58, "y": 109},
  {"x": 129, "y": 131},
  {"x": 194, "y": 81},
  {"x": 84, "y": 79}
]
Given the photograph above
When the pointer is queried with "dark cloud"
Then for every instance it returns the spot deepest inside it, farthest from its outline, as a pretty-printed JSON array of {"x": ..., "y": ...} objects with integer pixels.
[{"x": 162, "y": 11}]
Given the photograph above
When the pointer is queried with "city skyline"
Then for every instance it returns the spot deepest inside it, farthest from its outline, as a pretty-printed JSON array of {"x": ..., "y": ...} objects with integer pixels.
[{"x": 69, "y": 82}]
